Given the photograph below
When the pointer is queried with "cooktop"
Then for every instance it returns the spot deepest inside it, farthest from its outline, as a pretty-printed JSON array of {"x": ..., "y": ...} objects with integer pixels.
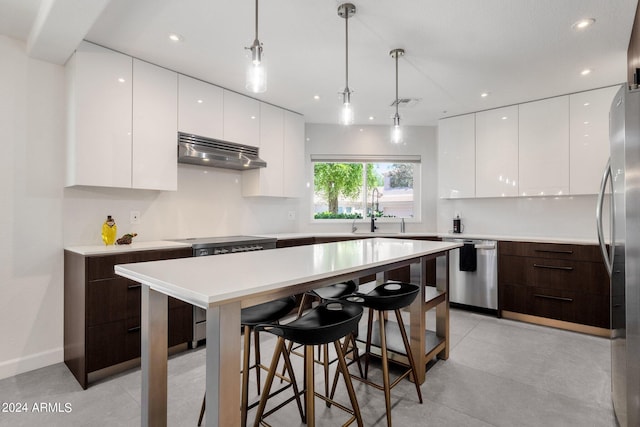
[{"x": 197, "y": 242}]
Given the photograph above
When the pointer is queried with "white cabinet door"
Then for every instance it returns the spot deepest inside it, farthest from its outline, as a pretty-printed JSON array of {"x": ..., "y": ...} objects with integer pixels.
[
  {"x": 294, "y": 182},
  {"x": 200, "y": 107},
  {"x": 99, "y": 127},
  {"x": 589, "y": 138},
  {"x": 155, "y": 115},
  {"x": 497, "y": 152},
  {"x": 544, "y": 147},
  {"x": 268, "y": 181},
  {"x": 456, "y": 157},
  {"x": 241, "y": 119}
]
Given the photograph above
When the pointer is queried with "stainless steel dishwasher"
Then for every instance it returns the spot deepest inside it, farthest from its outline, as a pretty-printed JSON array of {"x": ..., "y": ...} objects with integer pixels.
[{"x": 473, "y": 279}]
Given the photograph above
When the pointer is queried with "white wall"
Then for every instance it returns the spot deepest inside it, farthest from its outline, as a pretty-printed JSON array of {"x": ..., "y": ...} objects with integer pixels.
[
  {"x": 39, "y": 216},
  {"x": 31, "y": 180},
  {"x": 373, "y": 140}
]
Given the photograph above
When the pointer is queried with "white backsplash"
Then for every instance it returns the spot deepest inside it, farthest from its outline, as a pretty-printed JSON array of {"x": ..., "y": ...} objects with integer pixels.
[
  {"x": 562, "y": 217},
  {"x": 208, "y": 203}
]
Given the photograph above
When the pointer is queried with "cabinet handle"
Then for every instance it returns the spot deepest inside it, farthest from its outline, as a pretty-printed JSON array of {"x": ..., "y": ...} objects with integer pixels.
[
  {"x": 553, "y": 267},
  {"x": 136, "y": 286},
  {"x": 554, "y": 251},
  {"x": 134, "y": 329},
  {"x": 554, "y": 298}
]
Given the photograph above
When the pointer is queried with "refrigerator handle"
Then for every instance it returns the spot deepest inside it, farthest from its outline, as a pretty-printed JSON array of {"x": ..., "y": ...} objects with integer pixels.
[{"x": 608, "y": 257}]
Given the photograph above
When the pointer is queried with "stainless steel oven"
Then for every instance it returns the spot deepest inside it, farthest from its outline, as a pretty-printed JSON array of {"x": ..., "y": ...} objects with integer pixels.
[{"x": 206, "y": 246}]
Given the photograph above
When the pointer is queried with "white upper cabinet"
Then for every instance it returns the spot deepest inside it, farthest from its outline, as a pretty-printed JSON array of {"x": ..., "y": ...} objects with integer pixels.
[
  {"x": 200, "y": 108},
  {"x": 282, "y": 147},
  {"x": 497, "y": 152},
  {"x": 544, "y": 147},
  {"x": 268, "y": 181},
  {"x": 456, "y": 157},
  {"x": 241, "y": 119},
  {"x": 294, "y": 182},
  {"x": 155, "y": 112},
  {"x": 589, "y": 116},
  {"x": 99, "y": 84}
]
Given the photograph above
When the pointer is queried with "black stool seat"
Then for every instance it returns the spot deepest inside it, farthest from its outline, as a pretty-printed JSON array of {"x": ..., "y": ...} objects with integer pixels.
[
  {"x": 388, "y": 296},
  {"x": 326, "y": 323},
  {"x": 267, "y": 312}
]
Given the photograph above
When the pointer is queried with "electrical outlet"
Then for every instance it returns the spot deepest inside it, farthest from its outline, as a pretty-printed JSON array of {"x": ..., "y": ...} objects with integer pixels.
[
  {"x": 134, "y": 217},
  {"x": 291, "y": 215}
]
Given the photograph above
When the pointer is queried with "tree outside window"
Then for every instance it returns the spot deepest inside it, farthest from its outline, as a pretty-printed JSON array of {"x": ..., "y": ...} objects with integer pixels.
[{"x": 344, "y": 190}]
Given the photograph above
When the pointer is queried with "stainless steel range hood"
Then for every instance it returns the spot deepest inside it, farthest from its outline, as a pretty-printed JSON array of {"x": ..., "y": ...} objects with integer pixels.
[{"x": 199, "y": 150}]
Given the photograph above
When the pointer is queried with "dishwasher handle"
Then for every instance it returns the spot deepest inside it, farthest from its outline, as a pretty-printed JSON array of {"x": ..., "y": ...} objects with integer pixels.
[{"x": 485, "y": 246}]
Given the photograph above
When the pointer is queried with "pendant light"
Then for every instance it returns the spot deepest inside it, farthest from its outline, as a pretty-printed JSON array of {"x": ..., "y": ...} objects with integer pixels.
[
  {"x": 396, "y": 130},
  {"x": 346, "y": 11},
  {"x": 256, "y": 72}
]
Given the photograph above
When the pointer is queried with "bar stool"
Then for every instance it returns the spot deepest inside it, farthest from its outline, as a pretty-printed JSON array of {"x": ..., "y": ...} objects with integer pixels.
[
  {"x": 390, "y": 296},
  {"x": 327, "y": 293},
  {"x": 328, "y": 322},
  {"x": 270, "y": 312}
]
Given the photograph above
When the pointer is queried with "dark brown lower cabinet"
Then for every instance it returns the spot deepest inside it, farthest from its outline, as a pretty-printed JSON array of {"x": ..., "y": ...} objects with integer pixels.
[
  {"x": 562, "y": 282},
  {"x": 102, "y": 311}
]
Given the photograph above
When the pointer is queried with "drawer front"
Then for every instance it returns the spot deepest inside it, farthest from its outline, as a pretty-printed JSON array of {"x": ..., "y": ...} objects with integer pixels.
[
  {"x": 101, "y": 267},
  {"x": 112, "y": 343},
  {"x": 551, "y": 250},
  {"x": 110, "y": 300},
  {"x": 570, "y": 306},
  {"x": 588, "y": 277},
  {"x": 559, "y": 304}
]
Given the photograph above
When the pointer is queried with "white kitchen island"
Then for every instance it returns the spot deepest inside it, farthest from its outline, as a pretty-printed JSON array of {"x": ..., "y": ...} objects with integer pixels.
[{"x": 224, "y": 284}]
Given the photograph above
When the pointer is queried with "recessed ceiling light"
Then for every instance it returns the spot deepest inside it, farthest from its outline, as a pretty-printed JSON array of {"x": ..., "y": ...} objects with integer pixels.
[
  {"x": 586, "y": 71},
  {"x": 175, "y": 37},
  {"x": 484, "y": 94},
  {"x": 121, "y": 80},
  {"x": 504, "y": 117},
  {"x": 586, "y": 104},
  {"x": 583, "y": 23},
  {"x": 199, "y": 101},
  {"x": 586, "y": 123},
  {"x": 316, "y": 97},
  {"x": 371, "y": 117}
]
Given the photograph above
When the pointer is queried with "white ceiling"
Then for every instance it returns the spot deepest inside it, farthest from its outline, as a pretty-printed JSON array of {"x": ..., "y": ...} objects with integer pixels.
[{"x": 517, "y": 50}]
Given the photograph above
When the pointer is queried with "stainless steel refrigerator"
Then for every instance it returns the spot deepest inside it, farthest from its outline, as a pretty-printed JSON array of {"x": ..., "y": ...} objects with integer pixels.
[{"x": 622, "y": 254}]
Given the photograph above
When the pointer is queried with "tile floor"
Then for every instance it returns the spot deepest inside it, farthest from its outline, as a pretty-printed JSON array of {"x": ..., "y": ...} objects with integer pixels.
[{"x": 500, "y": 373}]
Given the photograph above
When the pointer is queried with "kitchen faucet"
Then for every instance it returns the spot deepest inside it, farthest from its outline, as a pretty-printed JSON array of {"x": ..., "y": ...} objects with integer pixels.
[{"x": 377, "y": 206}]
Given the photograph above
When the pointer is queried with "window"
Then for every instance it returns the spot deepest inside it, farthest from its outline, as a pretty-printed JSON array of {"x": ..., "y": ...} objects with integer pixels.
[{"x": 353, "y": 189}]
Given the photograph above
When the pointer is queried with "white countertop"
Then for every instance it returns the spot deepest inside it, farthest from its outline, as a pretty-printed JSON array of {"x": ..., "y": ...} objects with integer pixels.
[
  {"x": 537, "y": 239},
  {"x": 217, "y": 279},
  {"x": 116, "y": 249}
]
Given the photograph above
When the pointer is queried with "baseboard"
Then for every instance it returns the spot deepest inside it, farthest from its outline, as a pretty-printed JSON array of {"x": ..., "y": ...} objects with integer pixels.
[
  {"x": 30, "y": 362},
  {"x": 560, "y": 324}
]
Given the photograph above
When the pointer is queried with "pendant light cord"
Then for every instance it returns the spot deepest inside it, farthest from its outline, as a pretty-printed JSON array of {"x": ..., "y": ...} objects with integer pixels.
[
  {"x": 256, "y": 20},
  {"x": 396, "y": 55},
  {"x": 346, "y": 26}
]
